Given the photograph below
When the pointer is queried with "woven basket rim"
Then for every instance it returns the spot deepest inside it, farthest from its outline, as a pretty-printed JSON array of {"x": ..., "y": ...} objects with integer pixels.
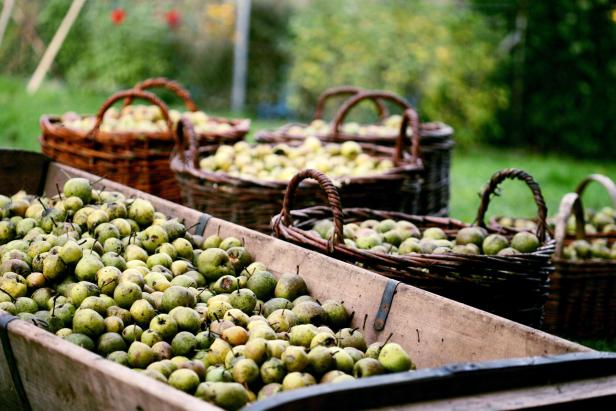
[
  {"x": 52, "y": 124},
  {"x": 443, "y": 132},
  {"x": 419, "y": 260}
]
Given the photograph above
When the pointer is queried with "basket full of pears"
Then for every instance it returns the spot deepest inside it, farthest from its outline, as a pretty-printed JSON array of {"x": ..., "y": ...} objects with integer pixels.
[
  {"x": 583, "y": 287},
  {"x": 132, "y": 145},
  {"x": 477, "y": 265},
  {"x": 435, "y": 138},
  {"x": 245, "y": 183}
]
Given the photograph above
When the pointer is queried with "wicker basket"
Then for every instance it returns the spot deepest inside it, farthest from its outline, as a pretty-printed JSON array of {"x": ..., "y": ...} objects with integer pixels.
[
  {"x": 239, "y": 127},
  {"x": 513, "y": 286},
  {"x": 137, "y": 159},
  {"x": 436, "y": 143},
  {"x": 582, "y": 300},
  {"x": 252, "y": 202},
  {"x": 605, "y": 181}
]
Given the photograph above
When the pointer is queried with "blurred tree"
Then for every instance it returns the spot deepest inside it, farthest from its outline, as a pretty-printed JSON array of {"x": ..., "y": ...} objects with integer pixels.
[
  {"x": 440, "y": 55},
  {"x": 563, "y": 75},
  {"x": 115, "y": 44}
]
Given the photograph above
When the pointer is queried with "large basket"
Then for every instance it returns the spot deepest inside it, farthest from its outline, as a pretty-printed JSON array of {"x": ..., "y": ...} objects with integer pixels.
[
  {"x": 511, "y": 286},
  {"x": 252, "y": 202},
  {"x": 582, "y": 301},
  {"x": 137, "y": 159},
  {"x": 436, "y": 143},
  {"x": 238, "y": 128}
]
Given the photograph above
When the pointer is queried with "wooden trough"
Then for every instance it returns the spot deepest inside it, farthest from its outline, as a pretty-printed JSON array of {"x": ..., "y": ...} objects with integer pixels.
[{"x": 40, "y": 371}]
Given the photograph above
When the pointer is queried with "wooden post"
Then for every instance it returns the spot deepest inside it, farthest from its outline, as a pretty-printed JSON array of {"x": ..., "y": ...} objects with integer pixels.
[
  {"x": 7, "y": 8},
  {"x": 54, "y": 46},
  {"x": 240, "y": 55}
]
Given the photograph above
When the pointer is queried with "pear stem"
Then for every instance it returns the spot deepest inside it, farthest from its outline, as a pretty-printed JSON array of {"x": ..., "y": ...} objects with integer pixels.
[{"x": 9, "y": 294}]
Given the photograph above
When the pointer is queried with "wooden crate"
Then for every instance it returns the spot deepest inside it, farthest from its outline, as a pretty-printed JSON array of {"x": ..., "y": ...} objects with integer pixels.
[{"x": 434, "y": 330}]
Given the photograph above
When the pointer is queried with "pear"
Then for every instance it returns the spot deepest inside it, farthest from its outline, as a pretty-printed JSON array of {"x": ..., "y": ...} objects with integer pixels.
[
  {"x": 290, "y": 286},
  {"x": 184, "y": 379},
  {"x": 245, "y": 371},
  {"x": 164, "y": 325},
  {"x": 88, "y": 322},
  {"x": 78, "y": 187},
  {"x": 394, "y": 359},
  {"x": 268, "y": 390},
  {"x": 494, "y": 243},
  {"x": 184, "y": 343},
  {"x": 295, "y": 358},
  {"x": 470, "y": 235},
  {"x": 296, "y": 379},
  {"x": 525, "y": 242},
  {"x": 227, "y": 395},
  {"x": 120, "y": 357},
  {"x": 367, "y": 367},
  {"x": 214, "y": 263},
  {"x": 142, "y": 212},
  {"x": 110, "y": 342},
  {"x": 272, "y": 370},
  {"x": 309, "y": 312}
]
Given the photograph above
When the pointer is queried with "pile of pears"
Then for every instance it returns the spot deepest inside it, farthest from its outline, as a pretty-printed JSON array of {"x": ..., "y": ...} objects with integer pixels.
[
  {"x": 282, "y": 162},
  {"x": 389, "y": 127},
  {"x": 145, "y": 119},
  {"x": 116, "y": 277},
  {"x": 602, "y": 221},
  {"x": 597, "y": 249},
  {"x": 403, "y": 237}
]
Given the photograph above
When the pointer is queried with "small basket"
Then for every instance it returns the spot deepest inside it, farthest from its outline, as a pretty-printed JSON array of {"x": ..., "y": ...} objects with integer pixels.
[
  {"x": 436, "y": 143},
  {"x": 252, "y": 202},
  {"x": 511, "y": 286},
  {"x": 238, "y": 127},
  {"x": 137, "y": 159},
  {"x": 582, "y": 300}
]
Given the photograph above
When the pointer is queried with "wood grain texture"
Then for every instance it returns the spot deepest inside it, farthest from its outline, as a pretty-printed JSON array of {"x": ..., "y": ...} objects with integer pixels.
[
  {"x": 521, "y": 398},
  {"x": 58, "y": 375}
]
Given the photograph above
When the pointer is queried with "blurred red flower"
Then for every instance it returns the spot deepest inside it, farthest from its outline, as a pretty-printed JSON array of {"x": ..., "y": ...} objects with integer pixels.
[
  {"x": 117, "y": 16},
  {"x": 173, "y": 18}
]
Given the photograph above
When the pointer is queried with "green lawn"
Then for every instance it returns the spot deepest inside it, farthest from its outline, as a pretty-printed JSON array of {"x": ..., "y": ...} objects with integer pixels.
[{"x": 472, "y": 168}]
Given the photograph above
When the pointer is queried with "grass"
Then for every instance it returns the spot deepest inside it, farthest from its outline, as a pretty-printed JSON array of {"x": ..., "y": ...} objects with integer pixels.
[{"x": 471, "y": 168}]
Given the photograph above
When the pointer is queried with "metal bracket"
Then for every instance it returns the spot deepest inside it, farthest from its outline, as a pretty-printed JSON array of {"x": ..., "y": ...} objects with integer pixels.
[
  {"x": 5, "y": 320},
  {"x": 385, "y": 305},
  {"x": 203, "y": 220}
]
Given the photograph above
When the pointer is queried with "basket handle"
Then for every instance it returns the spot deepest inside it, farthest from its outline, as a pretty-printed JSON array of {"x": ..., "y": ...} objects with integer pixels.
[
  {"x": 186, "y": 138},
  {"x": 171, "y": 85},
  {"x": 571, "y": 203},
  {"x": 605, "y": 181},
  {"x": 333, "y": 198},
  {"x": 343, "y": 91},
  {"x": 132, "y": 94},
  {"x": 409, "y": 112},
  {"x": 515, "y": 173}
]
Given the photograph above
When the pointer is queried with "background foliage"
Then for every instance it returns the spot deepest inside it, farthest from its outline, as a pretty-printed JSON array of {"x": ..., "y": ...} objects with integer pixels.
[
  {"x": 439, "y": 55},
  {"x": 524, "y": 73},
  {"x": 104, "y": 56},
  {"x": 562, "y": 75}
]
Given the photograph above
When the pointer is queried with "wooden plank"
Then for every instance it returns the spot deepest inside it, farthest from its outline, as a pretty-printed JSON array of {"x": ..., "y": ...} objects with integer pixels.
[
  {"x": 435, "y": 330},
  {"x": 61, "y": 376},
  {"x": 522, "y": 398},
  {"x": 9, "y": 397}
]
